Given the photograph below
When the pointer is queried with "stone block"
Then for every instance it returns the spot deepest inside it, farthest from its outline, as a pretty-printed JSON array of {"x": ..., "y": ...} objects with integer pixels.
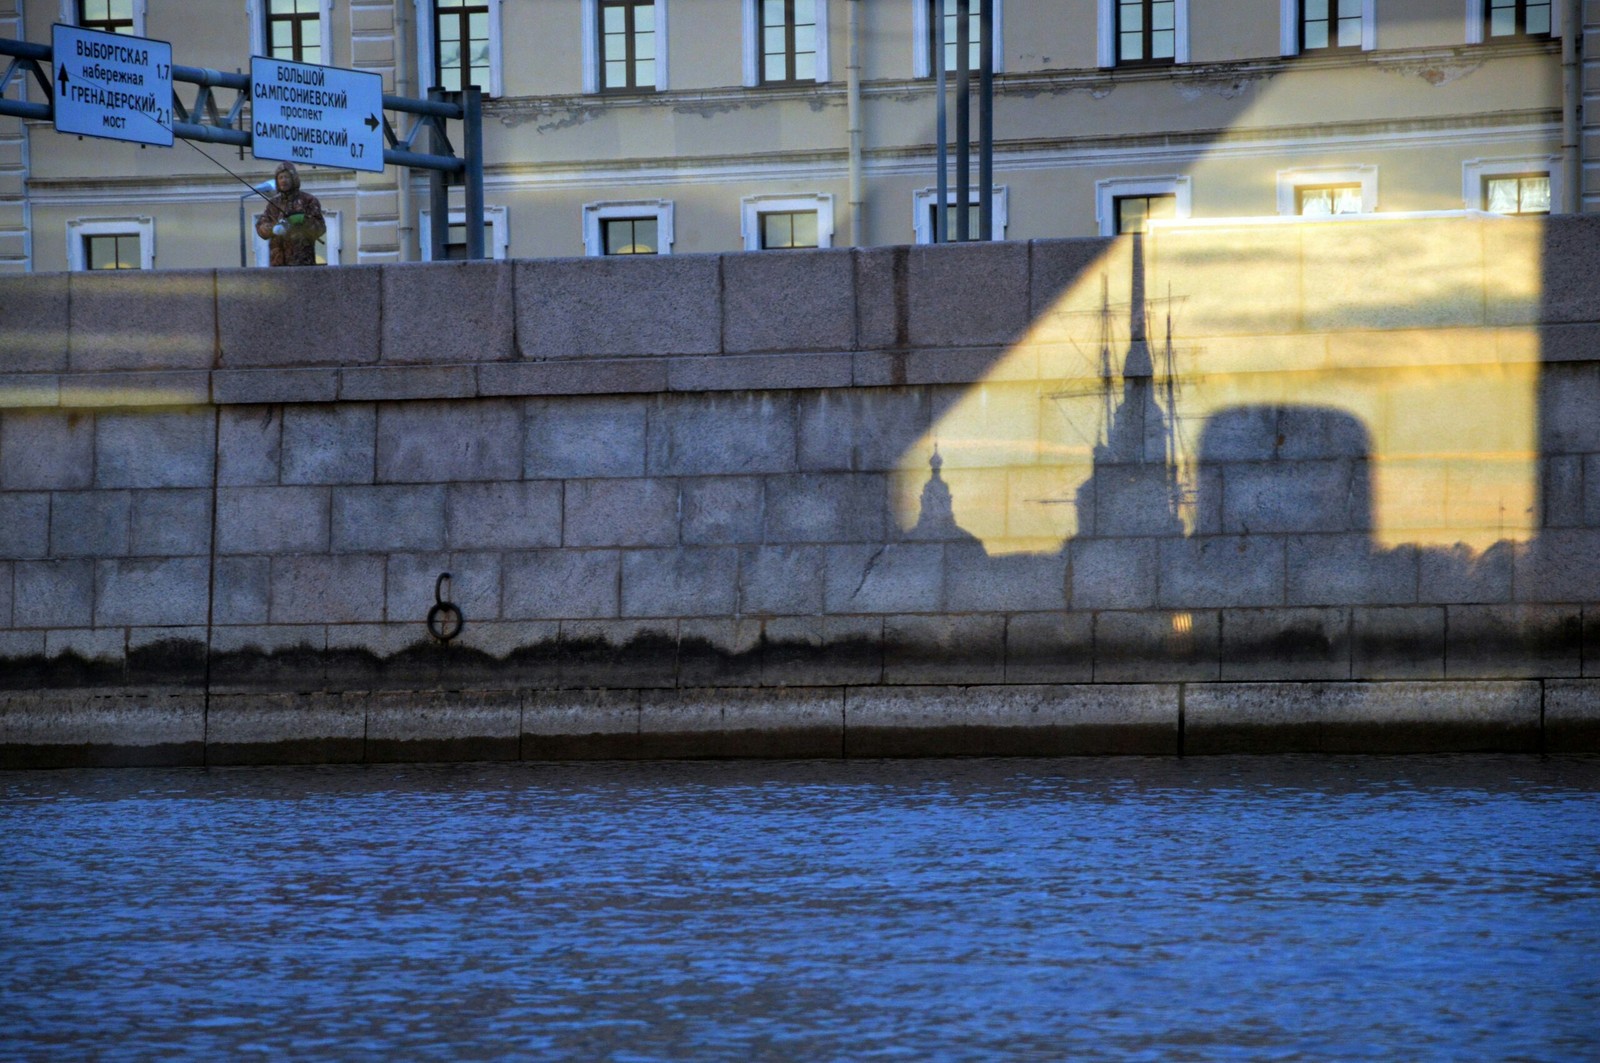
[
  {"x": 272, "y": 520},
  {"x": 139, "y": 319},
  {"x": 1569, "y": 393},
  {"x": 882, "y": 279},
  {"x": 794, "y": 722},
  {"x": 822, "y": 651},
  {"x": 894, "y": 578},
  {"x": 5, "y": 598},
  {"x": 967, "y": 294},
  {"x": 152, "y": 592},
  {"x": 280, "y": 657},
  {"x": 1562, "y": 490},
  {"x": 580, "y": 724},
  {"x": 31, "y": 390},
  {"x": 570, "y": 308},
  {"x": 1361, "y": 718},
  {"x": 327, "y": 590},
  {"x": 433, "y": 442},
  {"x": 1113, "y": 573},
  {"x": 1134, "y": 500},
  {"x": 1010, "y": 720},
  {"x": 239, "y": 592},
  {"x": 388, "y": 517},
  {"x": 562, "y": 584},
  {"x": 329, "y": 444},
  {"x": 721, "y": 510},
  {"x": 24, "y": 524},
  {"x": 688, "y": 581},
  {"x": 1248, "y": 433},
  {"x": 1572, "y": 716},
  {"x": 429, "y": 308},
  {"x": 944, "y": 365},
  {"x": 89, "y": 523},
  {"x": 944, "y": 649},
  {"x": 100, "y": 645},
  {"x": 52, "y": 594},
  {"x": 1406, "y": 273},
  {"x": 1221, "y": 570},
  {"x": 507, "y": 515},
  {"x": 170, "y": 448},
  {"x": 458, "y": 725},
  {"x": 826, "y": 508},
  {"x": 166, "y": 657},
  {"x": 781, "y": 580},
  {"x": 1397, "y": 643},
  {"x": 1513, "y": 641},
  {"x": 1055, "y": 266},
  {"x": 239, "y": 387},
  {"x": 1285, "y": 644},
  {"x": 54, "y": 730},
  {"x": 620, "y": 513},
  {"x": 249, "y": 445},
  {"x": 170, "y": 387},
  {"x": 1295, "y": 496},
  {"x": 1591, "y": 490},
  {"x": 33, "y": 322},
  {"x": 578, "y": 376},
  {"x": 721, "y": 434},
  {"x": 1563, "y": 565},
  {"x": 860, "y": 430},
  {"x": 619, "y": 653},
  {"x": 803, "y": 301},
  {"x": 473, "y": 586},
  {"x": 262, "y": 308},
  {"x": 974, "y": 582},
  {"x": 43, "y": 450},
  {"x": 584, "y": 437},
  {"x": 1461, "y": 574},
  {"x": 719, "y": 652},
  {"x": 308, "y": 728},
  {"x": 1050, "y": 648},
  {"x": 400, "y": 383},
  {"x": 1156, "y": 646},
  {"x": 765, "y": 372},
  {"x": 1349, "y": 570},
  {"x": 1568, "y": 294},
  {"x": 175, "y": 523}
]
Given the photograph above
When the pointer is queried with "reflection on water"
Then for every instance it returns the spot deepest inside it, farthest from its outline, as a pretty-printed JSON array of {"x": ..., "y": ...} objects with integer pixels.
[{"x": 1382, "y": 908}]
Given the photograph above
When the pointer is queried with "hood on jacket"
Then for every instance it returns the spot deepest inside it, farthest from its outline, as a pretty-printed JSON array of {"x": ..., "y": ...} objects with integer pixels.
[{"x": 294, "y": 177}]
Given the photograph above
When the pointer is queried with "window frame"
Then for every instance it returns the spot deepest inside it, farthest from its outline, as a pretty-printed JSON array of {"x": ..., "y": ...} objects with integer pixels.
[
  {"x": 753, "y": 54},
  {"x": 427, "y": 47},
  {"x": 1475, "y": 174},
  {"x": 1111, "y": 189},
  {"x": 923, "y": 199},
  {"x": 1291, "y": 181},
  {"x": 922, "y": 38},
  {"x": 591, "y": 51},
  {"x": 332, "y": 241},
  {"x": 499, "y": 240},
  {"x": 143, "y": 226},
  {"x": 256, "y": 11},
  {"x": 751, "y": 208},
  {"x": 596, "y": 214},
  {"x": 1291, "y": 29},
  {"x": 69, "y": 15},
  {"x": 1111, "y": 20},
  {"x": 1478, "y": 24}
]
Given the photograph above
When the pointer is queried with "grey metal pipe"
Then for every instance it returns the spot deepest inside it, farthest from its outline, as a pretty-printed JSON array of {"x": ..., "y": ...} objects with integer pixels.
[
  {"x": 472, "y": 152},
  {"x": 1571, "y": 107},
  {"x": 438, "y": 195},
  {"x": 986, "y": 122},
  {"x": 853, "y": 122},
  {"x": 963, "y": 118},
  {"x": 942, "y": 155}
]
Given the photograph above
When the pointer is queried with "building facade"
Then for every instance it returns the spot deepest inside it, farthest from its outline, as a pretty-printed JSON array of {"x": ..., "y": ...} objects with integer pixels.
[{"x": 680, "y": 126}]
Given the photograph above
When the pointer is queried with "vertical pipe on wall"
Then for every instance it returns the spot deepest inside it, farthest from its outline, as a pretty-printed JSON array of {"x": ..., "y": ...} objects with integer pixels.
[
  {"x": 941, "y": 183},
  {"x": 405, "y": 233},
  {"x": 986, "y": 121},
  {"x": 1571, "y": 106},
  {"x": 438, "y": 193},
  {"x": 472, "y": 154},
  {"x": 853, "y": 116},
  {"x": 963, "y": 118}
]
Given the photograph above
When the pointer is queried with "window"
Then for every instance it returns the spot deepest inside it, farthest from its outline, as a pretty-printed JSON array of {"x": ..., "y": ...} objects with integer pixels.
[
  {"x": 773, "y": 223},
  {"x": 925, "y": 217},
  {"x": 111, "y": 243},
  {"x": 628, "y": 227},
  {"x": 923, "y": 13},
  {"x": 788, "y": 41},
  {"x": 458, "y": 43},
  {"x": 1529, "y": 184},
  {"x": 1527, "y": 193},
  {"x": 1518, "y": 18},
  {"x": 1325, "y": 192},
  {"x": 496, "y": 240},
  {"x": 627, "y": 45},
  {"x": 108, "y": 16},
  {"x": 1146, "y": 31},
  {"x": 329, "y": 248},
  {"x": 1129, "y": 204},
  {"x": 294, "y": 30},
  {"x": 1320, "y": 201},
  {"x": 1324, "y": 25}
]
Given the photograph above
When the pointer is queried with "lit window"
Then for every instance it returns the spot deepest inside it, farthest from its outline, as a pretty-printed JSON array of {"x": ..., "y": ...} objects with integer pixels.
[
  {"x": 780, "y": 222},
  {"x": 926, "y": 218},
  {"x": 1134, "y": 213},
  {"x": 1330, "y": 24},
  {"x": 1527, "y": 193},
  {"x": 496, "y": 237},
  {"x": 627, "y": 45},
  {"x": 788, "y": 40},
  {"x": 1518, "y": 18},
  {"x": 787, "y": 229},
  {"x": 629, "y": 236},
  {"x": 111, "y": 251},
  {"x": 111, "y": 243},
  {"x": 1319, "y": 201},
  {"x": 1129, "y": 204},
  {"x": 461, "y": 48},
  {"x": 1147, "y": 31},
  {"x": 294, "y": 30},
  {"x": 628, "y": 227},
  {"x": 108, "y": 16}
]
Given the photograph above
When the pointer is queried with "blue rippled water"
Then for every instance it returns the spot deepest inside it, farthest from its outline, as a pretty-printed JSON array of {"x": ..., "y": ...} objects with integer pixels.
[{"x": 1208, "y": 908}]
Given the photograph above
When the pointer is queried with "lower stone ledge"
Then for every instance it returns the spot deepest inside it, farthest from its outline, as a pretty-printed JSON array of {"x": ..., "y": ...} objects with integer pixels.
[{"x": 100, "y": 728}]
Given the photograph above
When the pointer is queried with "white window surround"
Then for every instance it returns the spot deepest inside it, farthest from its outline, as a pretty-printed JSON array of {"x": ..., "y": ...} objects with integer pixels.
[
  {"x": 1476, "y": 17},
  {"x": 752, "y": 207},
  {"x": 143, "y": 227},
  {"x": 332, "y": 241},
  {"x": 595, "y": 213},
  {"x": 1107, "y": 192},
  {"x": 922, "y": 33},
  {"x": 1289, "y": 31},
  {"x": 256, "y": 10},
  {"x": 591, "y": 45},
  {"x": 1291, "y": 180},
  {"x": 752, "y": 43},
  {"x": 1107, "y": 47},
  {"x": 425, "y": 31},
  {"x": 922, "y": 201},
  {"x": 69, "y": 14},
  {"x": 494, "y": 217},
  {"x": 1473, "y": 172}
]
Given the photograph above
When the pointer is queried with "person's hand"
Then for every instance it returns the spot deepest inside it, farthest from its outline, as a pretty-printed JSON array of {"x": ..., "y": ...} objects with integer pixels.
[{"x": 280, "y": 229}]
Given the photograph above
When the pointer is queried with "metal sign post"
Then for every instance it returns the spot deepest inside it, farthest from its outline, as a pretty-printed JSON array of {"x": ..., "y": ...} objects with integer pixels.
[
  {"x": 321, "y": 115},
  {"x": 112, "y": 85}
]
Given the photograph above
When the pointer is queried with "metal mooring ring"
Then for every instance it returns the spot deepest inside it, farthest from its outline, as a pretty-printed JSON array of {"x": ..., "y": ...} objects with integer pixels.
[{"x": 444, "y": 619}]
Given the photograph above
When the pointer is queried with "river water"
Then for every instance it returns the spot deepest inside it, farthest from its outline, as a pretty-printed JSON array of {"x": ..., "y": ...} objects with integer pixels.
[{"x": 1204, "y": 908}]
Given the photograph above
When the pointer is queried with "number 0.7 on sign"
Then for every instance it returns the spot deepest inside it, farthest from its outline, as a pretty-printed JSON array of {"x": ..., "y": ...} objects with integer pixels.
[
  {"x": 112, "y": 85},
  {"x": 316, "y": 115}
]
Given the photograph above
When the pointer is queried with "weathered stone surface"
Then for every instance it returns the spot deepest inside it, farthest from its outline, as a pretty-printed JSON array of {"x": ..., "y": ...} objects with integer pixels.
[
  {"x": 166, "y": 657},
  {"x": 1113, "y": 573},
  {"x": 24, "y": 524},
  {"x": 1562, "y": 490},
  {"x": 282, "y": 657},
  {"x": 433, "y": 442},
  {"x": 388, "y": 517},
  {"x": 1221, "y": 570},
  {"x": 619, "y": 653},
  {"x": 1156, "y": 646},
  {"x": 580, "y": 724},
  {"x": 781, "y": 580},
  {"x": 883, "y": 292},
  {"x": 636, "y": 305},
  {"x": 832, "y": 508},
  {"x": 33, "y": 322},
  {"x": 398, "y": 383},
  {"x": 239, "y": 387},
  {"x": 1572, "y": 716},
  {"x": 459, "y": 725},
  {"x": 689, "y": 581},
  {"x": 719, "y": 652},
  {"x": 1413, "y": 274},
  {"x": 327, "y": 590},
  {"x": 620, "y": 513},
  {"x": 476, "y": 298},
  {"x": 944, "y": 649},
  {"x": 249, "y": 445},
  {"x": 1564, "y": 294},
  {"x": 793, "y": 722},
  {"x": 1010, "y": 720},
  {"x": 45, "y": 449},
  {"x": 1057, "y": 265},
  {"x": 1568, "y": 395},
  {"x": 1361, "y": 717},
  {"x": 721, "y": 510},
  {"x": 239, "y": 592},
  {"x": 1511, "y": 641},
  {"x": 1295, "y": 496},
  {"x": 173, "y": 523},
  {"x": 584, "y": 437},
  {"x": 310, "y": 728},
  {"x": 1349, "y": 570},
  {"x": 1398, "y": 643},
  {"x": 272, "y": 520},
  {"x": 89, "y": 523},
  {"x": 94, "y": 730},
  {"x": 863, "y": 430},
  {"x": 1130, "y": 500},
  {"x": 506, "y": 515},
  {"x": 1591, "y": 490},
  {"x": 101, "y": 645},
  {"x": 138, "y": 319},
  {"x": 149, "y": 592},
  {"x": 562, "y": 584},
  {"x": 473, "y": 586},
  {"x": 577, "y": 376},
  {"x": 803, "y": 301},
  {"x": 721, "y": 434},
  {"x": 1285, "y": 644},
  {"x": 894, "y": 578},
  {"x": 1462, "y": 575},
  {"x": 1050, "y": 648},
  {"x": 332, "y": 444},
  {"x": 764, "y": 372},
  {"x": 169, "y": 448},
  {"x": 262, "y": 307},
  {"x": 975, "y": 582},
  {"x": 5, "y": 600},
  {"x": 1563, "y": 565},
  {"x": 822, "y": 650},
  {"x": 969, "y": 294},
  {"x": 52, "y": 594}
]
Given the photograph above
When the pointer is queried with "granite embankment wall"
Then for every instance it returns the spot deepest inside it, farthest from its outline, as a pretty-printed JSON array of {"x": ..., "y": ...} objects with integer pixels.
[{"x": 669, "y": 494}]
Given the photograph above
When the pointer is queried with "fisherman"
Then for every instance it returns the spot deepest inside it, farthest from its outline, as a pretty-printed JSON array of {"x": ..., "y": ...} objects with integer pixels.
[{"x": 292, "y": 223}]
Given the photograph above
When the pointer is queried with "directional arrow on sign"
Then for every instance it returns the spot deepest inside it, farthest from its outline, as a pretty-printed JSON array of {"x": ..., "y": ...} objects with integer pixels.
[
  {"x": 61, "y": 78},
  {"x": 371, "y": 122}
]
